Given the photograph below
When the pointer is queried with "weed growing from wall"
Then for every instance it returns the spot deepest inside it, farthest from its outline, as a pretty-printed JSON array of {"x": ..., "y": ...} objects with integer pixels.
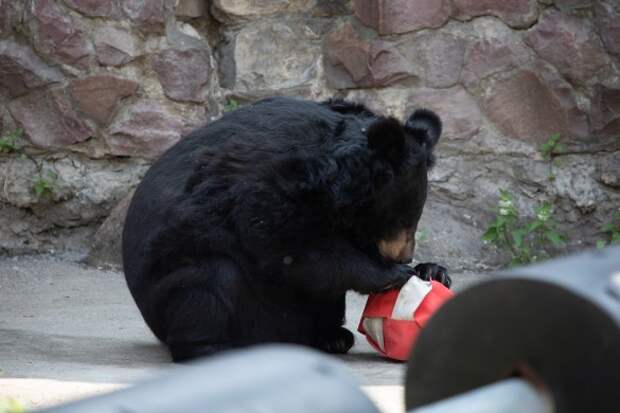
[
  {"x": 45, "y": 181},
  {"x": 527, "y": 239}
]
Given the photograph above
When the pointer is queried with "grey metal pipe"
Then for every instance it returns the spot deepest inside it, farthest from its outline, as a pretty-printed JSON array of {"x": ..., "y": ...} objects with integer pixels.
[{"x": 507, "y": 396}]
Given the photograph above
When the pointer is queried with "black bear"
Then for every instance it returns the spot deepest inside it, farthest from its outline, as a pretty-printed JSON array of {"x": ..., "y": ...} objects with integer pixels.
[{"x": 251, "y": 229}]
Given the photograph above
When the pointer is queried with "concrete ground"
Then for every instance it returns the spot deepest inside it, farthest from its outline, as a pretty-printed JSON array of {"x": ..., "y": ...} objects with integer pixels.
[{"x": 68, "y": 331}]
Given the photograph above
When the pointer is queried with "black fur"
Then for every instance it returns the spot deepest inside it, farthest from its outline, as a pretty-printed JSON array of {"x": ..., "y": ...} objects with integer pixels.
[{"x": 252, "y": 229}]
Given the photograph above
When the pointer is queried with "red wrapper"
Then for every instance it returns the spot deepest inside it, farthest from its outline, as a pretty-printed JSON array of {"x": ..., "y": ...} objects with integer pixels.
[{"x": 392, "y": 320}]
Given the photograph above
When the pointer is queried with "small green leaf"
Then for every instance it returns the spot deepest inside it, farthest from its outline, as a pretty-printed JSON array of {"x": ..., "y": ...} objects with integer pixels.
[
  {"x": 600, "y": 243},
  {"x": 490, "y": 235},
  {"x": 555, "y": 238}
]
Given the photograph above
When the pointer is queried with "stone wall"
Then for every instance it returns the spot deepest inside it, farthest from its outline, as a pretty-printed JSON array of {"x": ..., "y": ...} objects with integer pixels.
[{"x": 101, "y": 88}]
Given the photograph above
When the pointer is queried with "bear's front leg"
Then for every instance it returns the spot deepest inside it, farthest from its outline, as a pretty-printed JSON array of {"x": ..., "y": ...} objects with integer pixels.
[{"x": 336, "y": 267}]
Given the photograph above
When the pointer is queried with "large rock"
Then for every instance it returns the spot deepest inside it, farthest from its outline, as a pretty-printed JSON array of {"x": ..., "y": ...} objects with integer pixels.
[
  {"x": 248, "y": 61},
  {"x": 531, "y": 106},
  {"x": 515, "y": 13},
  {"x": 575, "y": 180},
  {"x": 442, "y": 58},
  {"x": 95, "y": 8},
  {"x": 570, "y": 43},
  {"x": 149, "y": 15},
  {"x": 48, "y": 118},
  {"x": 21, "y": 69},
  {"x": 608, "y": 24},
  {"x": 606, "y": 112},
  {"x": 144, "y": 129},
  {"x": 5, "y": 16},
  {"x": 116, "y": 46},
  {"x": 97, "y": 96},
  {"x": 496, "y": 49},
  {"x": 571, "y": 5},
  {"x": 459, "y": 112},
  {"x": 184, "y": 74},
  {"x": 106, "y": 249},
  {"x": 241, "y": 10},
  {"x": 401, "y": 16},
  {"x": 59, "y": 36},
  {"x": 608, "y": 167},
  {"x": 356, "y": 62},
  {"x": 190, "y": 8}
]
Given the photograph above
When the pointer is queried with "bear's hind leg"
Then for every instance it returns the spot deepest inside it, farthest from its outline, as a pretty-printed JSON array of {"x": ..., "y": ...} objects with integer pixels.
[
  {"x": 197, "y": 308},
  {"x": 330, "y": 335}
]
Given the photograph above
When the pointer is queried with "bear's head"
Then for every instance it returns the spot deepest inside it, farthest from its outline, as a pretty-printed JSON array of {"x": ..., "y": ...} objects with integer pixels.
[{"x": 401, "y": 156}]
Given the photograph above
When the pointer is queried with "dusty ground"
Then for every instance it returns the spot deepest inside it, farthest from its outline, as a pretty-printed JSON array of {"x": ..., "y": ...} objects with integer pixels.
[{"x": 68, "y": 331}]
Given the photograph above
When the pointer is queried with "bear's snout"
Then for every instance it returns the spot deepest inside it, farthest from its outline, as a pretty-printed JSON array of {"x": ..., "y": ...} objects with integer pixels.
[{"x": 399, "y": 249}]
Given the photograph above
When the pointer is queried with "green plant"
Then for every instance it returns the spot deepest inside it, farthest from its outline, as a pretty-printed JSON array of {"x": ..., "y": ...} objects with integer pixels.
[
  {"x": 527, "y": 240},
  {"x": 611, "y": 232},
  {"x": 231, "y": 104},
  {"x": 421, "y": 236},
  {"x": 7, "y": 142},
  {"x": 10, "y": 405},
  {"x": 46, "y": 182},
  {"x": 551, "y": 147}
]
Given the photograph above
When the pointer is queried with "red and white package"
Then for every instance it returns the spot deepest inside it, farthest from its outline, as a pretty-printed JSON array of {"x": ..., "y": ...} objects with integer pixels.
[{"x": 392, "y": 320}]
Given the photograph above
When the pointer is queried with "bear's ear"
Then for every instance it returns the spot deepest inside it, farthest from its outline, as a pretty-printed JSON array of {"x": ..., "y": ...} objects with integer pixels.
[
  {"x": 425, "y": 126},
  {"x": 386, "y": 137}
]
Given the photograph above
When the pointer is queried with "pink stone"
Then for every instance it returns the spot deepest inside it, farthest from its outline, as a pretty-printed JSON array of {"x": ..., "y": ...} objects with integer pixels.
[
  {"x": 94, "y": 8},
  {"x": 58, "y": 35},
  {"x": 401, "y": 16},
  {"x": 149, "y": 14},
  {"x": 98, "y": 96},
  {"x": 144, "y": 129},
  {"x": 364, "y": 63},
  {"x": 515, "y": 13},
  {"x": 115, "y": 46},
  {"x": 48, "y": 119},
  {"x": 532, "y": 106},
  {"x": 184, "y": 74},
  {"x": 459, "y": 112},
  {"x": 608, "y": 22},
  {"x": 570, "y": 44},
  {"x": 22, "y": 70}
]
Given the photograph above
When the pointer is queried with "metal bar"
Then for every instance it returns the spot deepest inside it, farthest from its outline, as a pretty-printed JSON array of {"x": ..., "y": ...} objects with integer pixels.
[{"x": 507, "y": 396}]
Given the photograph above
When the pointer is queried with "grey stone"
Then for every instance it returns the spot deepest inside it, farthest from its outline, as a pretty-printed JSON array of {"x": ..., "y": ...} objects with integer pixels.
[
  {"x": 48, "y": 119},
  {"x": 575, "y": 180},
  {"x": 144, "y": 129},
  {"x": 442, "y": 56},
  {"x": 21, "y": 69},
  {"x": 459, "y": 111},
  {"x": 241, "y": 10},
  {"x": 271, "y": 55},
  {"x": 107, "y": 242},
  {"x": 402, "y": 16},
  {"x": 98, "y": 96},
  {"x": 609, "y": 170},
  {"x": 571, "y": 5},
  {"x": 149, "y": 15},
  {"x": 116, "y": 46},
  {"x": 190, "y": 8},
  {"x": 184, "y": 74},
  {"x": 570, "y": 43}
]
